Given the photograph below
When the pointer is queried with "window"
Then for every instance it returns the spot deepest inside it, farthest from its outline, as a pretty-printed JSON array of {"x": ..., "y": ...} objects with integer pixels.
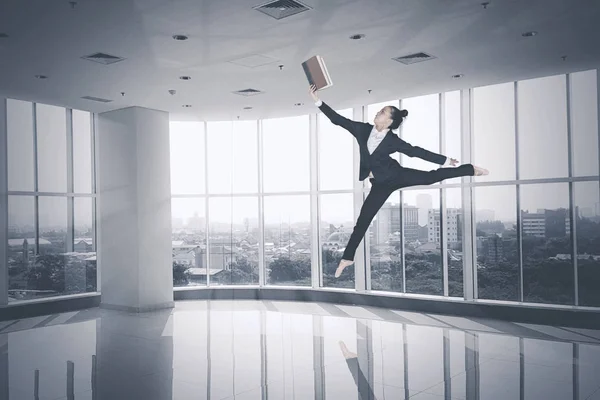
[
  {"x": 21, "y": 161},
  {"x": 587, "y": 210},
  {"x": 542, "y": 121},
  {"x": 286, "y": 154},
  {"x": 187, "y": 158},
  {"x": 82, "y": 152},
  {"x": 584, "y": 123},
  {"x": 494, "y": 131},
  {"x": 189, "y": 242},
  {"x": 336, "y": 225},
  {"x": 233, "y": 240},
  {"x": 51, "y": 148},
  {"x": 421, "y": 128},
  {"x": 233, "y": 157},
  {"x": 83, "y": 257},
  {"x": 452, "y": 123},
  {"x": 21, "y": 247},
  {"x": 386, "y": 244},
  {"x": 455, "y": 217},
  {"x": 422, "y": 246},
  {"x": 287, "y": 240},
  {"x": 547, "y": 265},
  {"x": 496, "y": 242},
  {"x": 51, "y": 242},
  {"x": 336, "y": 154}
]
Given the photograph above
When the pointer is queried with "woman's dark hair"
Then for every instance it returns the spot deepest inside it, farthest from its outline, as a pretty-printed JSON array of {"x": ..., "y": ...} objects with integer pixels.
[{"x": 397, "y": 117}]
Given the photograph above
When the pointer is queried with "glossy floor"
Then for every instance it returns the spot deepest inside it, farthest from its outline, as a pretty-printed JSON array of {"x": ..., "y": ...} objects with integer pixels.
[{"x": 249, "y": 350}]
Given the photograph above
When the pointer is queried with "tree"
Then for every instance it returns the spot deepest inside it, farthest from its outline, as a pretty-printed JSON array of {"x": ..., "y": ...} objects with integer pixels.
[
  {"x": 47, "y": 273},
  {"x": 285, "y": 270},
  {"x": 180, "y": 276}
]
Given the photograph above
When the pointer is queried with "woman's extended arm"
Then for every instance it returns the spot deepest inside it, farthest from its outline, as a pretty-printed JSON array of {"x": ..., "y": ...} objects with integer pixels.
[{"x": 335, "y": 118}]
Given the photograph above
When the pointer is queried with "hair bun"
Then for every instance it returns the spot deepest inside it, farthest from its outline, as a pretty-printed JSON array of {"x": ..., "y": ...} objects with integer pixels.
[{"x": 404, "y": 113}]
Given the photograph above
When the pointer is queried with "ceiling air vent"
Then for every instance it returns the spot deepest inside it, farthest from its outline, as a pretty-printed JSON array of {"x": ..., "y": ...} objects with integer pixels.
[
  {"x": 98, "y": 99},
  {"x": 248, "y": 92},
  {"x": 414, "y": 58},
  {"x": 279, "y": 9},
  {"x": 103, "y": 58}
]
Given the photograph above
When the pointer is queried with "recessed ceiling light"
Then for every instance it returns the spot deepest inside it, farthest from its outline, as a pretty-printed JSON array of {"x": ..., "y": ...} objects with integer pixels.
[
  {"x": 458, "y": 76},
  {"x": 358, "y": 36},
  {"x": 180, "y": 37},
  {"x": 186, "y": 106},
  {"x": 41, "y": 76},
  {"x": 185, "y": 78},
  {"x": 529, "y": 34}
]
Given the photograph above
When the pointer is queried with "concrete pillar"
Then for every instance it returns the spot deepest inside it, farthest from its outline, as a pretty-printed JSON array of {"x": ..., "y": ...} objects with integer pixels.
[{"x": 134, "y": 209}]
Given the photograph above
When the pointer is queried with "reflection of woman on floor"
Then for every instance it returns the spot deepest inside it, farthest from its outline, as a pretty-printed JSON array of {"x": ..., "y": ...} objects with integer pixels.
[
  {"x": 362, "y": 383},
  {"x": 376, "y": 142}
]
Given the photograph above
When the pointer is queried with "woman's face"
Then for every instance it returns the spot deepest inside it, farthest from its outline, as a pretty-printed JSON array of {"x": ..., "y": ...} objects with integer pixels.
[{"x": 383, "y": 117}]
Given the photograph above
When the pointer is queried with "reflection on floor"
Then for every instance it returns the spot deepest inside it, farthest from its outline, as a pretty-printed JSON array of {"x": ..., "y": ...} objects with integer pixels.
[{"x": 248, "y": 350}]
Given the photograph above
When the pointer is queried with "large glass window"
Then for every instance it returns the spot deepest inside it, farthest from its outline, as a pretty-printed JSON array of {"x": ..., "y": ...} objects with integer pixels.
[
  {"x": 455, "y": 217},
  {"x": 422, "y": 245},
  {"x": 51, "y": 148},
  {"x": 233, "y": 238},
  {"x": 584, "y": 122},
  {"x": 21, "y": 246},
  {"x": 547, "y": 265},
  {"x": 587, "y": 210},
  {"x": 494, "y": 131},
  {"x": 336, "y": 154},
  {"x": 20, "y": 145},
  {"x": 82, "y": 152},
  {"x": 542, "y": 122},
  {"x": 452, "y": 130},
  {"x": 83, "y": 258},
  {"x": 189, "y": 242},
  {"x": 422, "y": 128},
  {"x": 233, "y": 157},
  {"x": 496, "y": 242},
  {"x": 386, "y": 243},
  {"x": 287, "y": 240},
  {"x": 51, "y": 242},
  {"x": 286, "y": 154},
  {"x": 337, "y": 222},
  {"x": 187, "y": 158}
]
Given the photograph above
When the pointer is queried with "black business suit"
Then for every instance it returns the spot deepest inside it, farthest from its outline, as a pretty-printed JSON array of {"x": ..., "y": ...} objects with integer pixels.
[{"x": 388, "y": 174}]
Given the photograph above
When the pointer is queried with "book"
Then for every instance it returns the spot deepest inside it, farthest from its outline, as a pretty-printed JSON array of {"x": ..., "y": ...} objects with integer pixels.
[{"x": 316, "y": 72}]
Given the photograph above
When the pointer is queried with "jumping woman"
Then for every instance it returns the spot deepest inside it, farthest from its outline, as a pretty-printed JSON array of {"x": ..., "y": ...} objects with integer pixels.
[{"x": 376, "y": 143}]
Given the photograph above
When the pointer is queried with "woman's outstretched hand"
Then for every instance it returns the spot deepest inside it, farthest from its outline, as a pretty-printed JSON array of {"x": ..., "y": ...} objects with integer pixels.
[{"x": 313, "y": 92}]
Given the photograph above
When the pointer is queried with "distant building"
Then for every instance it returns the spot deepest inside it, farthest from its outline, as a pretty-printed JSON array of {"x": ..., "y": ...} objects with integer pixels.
[
  {"x": 546, "y": 224},
  {"x": 493, "y": 249},
  {"x": 453, "y": 229}
]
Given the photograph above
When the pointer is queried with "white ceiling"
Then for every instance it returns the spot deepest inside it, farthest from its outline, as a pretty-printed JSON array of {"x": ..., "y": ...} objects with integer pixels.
[{"x": 49, "y": 36}]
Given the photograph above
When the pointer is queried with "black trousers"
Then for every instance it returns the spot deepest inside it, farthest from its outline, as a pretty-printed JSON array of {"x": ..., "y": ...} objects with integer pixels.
[{"x": 380, "y": 191}]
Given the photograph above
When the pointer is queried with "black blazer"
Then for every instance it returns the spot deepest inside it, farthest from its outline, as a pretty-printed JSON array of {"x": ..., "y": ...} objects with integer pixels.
[{"x": 380, "y": 162}]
